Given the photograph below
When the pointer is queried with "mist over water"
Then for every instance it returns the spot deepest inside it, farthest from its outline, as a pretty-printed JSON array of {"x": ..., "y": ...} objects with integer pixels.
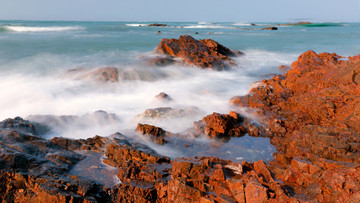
[{"x": 35, "y": 84}]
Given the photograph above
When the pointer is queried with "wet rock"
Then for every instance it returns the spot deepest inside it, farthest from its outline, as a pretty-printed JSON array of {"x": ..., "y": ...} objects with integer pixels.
[
  {"x": 18, "y": 124},
  {"x": 57, "y": 124},
  {"x": 201, "y": 53},
  {"x": 162, "y": 96},
  {"x": 157, "y": 25},
  {"x": 156, "y": 134},
  {"x": 221, "y": 126},
  {"x": 106, "y": 74},
  {"x": 269, "y": 28},
  {"x": 160, "y": 61},
  {"x": 33, "y": 169},
  {"x": 162, "y": 113}
]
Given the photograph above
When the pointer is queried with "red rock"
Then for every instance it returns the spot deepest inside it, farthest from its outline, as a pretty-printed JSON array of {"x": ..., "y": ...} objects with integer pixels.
[
  {"x": 309, "y": 114},
  {"x": 269, "y": 28},
  {"x": 220, "y": 126},
  {"x": 255, "y": 192},
  {"x": 201, "y": 53},
  {"x": 156, "y": 134}
]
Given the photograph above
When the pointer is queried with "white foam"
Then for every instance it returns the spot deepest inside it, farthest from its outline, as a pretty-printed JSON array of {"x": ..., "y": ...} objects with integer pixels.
[
  {"x": 42, "y": 29},
  {"x": 24, "y": 94},
  {"x": 206, "y": 26},
  {"x": 241, "y": 24},
  {"x": 135, "y": 25}
]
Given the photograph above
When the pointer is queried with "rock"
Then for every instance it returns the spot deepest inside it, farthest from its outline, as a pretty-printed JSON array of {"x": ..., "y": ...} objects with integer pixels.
[
  {"x": 200, "y": 53},
  {"x": 106, "y": 74},
  {"x": 58, "y": 124},
  {"x": 221, "y": 126},
  {"x": 269, "y": 28},
  {"x": 284, "y": 69},
  {"x": 156, "y": 134},
  {"x": 34, "y": 169},
  {"x": 160, "y": 61},
  {"x": 157, "y": 25},
  {"x": 310, "y": 115},
  {"x": 162, "y": 96},
  {"x": 162, "y": 113},
  {"x": 18, "y": 124},
  {"x": 294, "y": 24}
]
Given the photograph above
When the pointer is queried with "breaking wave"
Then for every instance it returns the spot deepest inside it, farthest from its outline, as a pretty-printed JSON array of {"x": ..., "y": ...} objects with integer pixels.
[{"x": 39, "y": 29}]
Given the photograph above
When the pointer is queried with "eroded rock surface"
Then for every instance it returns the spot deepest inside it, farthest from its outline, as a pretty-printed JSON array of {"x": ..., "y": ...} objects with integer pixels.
[
  {"x": 34, "y": 169},
  {"x": 312, "y": 114}
]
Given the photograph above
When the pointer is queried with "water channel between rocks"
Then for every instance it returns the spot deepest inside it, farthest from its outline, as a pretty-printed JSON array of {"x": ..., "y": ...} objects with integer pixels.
[{"x": 236, "y": 149}]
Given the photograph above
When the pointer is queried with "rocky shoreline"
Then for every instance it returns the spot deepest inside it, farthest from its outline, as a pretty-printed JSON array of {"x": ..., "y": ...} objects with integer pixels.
[{"x": 310, "y": 113}]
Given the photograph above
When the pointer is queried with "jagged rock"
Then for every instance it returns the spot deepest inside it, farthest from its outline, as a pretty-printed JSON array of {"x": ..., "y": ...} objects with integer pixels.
[
  {"x": 156, "y": 134},
  {"x": 204, "y": 53},
  {"x": 34, "y": 169},
  {"x": 310, "y": 114},
  {"x": 220, "y": 126}
]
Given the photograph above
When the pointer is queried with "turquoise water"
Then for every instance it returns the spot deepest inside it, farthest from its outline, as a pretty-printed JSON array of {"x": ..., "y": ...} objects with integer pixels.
[{"x": 34, "y": 57}]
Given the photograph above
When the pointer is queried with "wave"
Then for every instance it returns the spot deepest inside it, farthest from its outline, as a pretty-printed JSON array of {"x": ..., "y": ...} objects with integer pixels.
[
  {"x": 241, "y": 24},
  {"x": 322, "y": 25},
  {"x": 39, "y": 29},
  {"x": 207, "y": 26}
]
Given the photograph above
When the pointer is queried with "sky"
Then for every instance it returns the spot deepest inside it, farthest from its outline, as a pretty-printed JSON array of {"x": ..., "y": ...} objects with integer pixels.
[{"x": 185, "y": 10}]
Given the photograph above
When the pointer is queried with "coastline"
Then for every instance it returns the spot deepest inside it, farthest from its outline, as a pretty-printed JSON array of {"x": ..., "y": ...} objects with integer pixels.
[{"x": 309, "y": 113}]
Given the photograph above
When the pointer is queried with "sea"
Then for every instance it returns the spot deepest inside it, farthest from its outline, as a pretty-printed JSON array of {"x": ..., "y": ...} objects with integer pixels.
[{"x": 36, "y": 59}]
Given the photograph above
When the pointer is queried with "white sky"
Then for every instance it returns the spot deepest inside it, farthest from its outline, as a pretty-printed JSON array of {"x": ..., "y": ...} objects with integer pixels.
[{"x": 185, "y": 10}]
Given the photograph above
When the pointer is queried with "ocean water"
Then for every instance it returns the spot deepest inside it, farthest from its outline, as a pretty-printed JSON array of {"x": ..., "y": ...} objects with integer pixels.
[{"x": 35, "y": 56}]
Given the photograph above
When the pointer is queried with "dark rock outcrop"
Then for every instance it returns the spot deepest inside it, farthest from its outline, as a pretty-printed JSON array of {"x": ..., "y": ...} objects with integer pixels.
[
  {"x": 33, "y": 169},
  {"x": 157, "y": 25},
  {"x": 269, "y": 28}
]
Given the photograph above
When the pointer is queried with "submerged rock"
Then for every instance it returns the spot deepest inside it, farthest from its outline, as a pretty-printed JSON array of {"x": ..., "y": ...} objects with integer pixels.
[
  {"x": 162, "y": 113},
  {"x": 298, "y": 23},
  {"x": 204, "y": 53},
  {"x": 162, "y": 96},
  {"x": 45, "y": 124},
  {"x": 106, "y": 74}
]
